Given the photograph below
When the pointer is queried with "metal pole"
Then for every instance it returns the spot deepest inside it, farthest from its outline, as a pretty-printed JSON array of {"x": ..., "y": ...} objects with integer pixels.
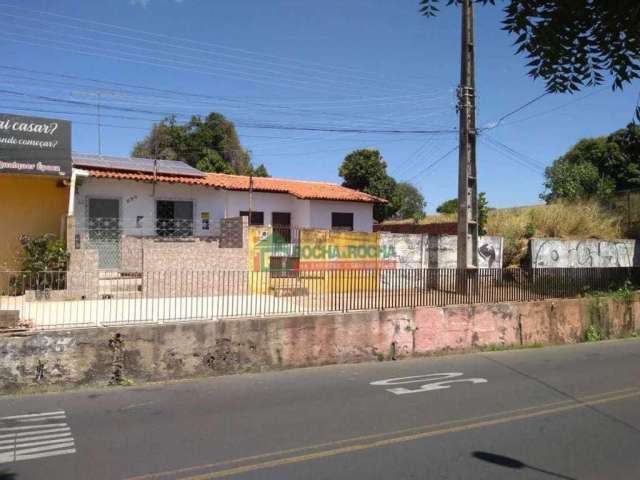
[{"x": 467, "y": 181}]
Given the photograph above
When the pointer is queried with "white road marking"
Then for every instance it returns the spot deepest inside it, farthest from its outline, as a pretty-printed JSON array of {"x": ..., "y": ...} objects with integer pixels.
[
  {"x": 429, "y": 387},
  {"x": 32, "y": 427},
  {"x": 39, "y": 419},
  {"x": 44, "y": 448},
  {"x": 33, "y": 415},
  {"x": 417, "y": 378},
  {"x": 46, "y": 454},
  {"x": 437, "y": 381},
  {"x": 45, "y": 442},
  {"x": 26, "y": 442},
  {"x": 33, "y": 438},
  {"x": 24, "y": 434}
]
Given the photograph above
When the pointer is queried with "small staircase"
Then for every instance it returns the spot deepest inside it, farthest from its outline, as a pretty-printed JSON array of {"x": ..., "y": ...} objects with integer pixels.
[
  {"x": 287, "y": 287},
  {"x": 119, "y": 284}
]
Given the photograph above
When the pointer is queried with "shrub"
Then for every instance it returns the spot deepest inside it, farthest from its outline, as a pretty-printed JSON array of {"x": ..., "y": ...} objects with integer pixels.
[{"x": 43, "y": 258}]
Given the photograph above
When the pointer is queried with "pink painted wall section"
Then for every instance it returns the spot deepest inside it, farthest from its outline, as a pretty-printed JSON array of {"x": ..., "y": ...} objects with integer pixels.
[
  {"x": 465, "y": 327},
  {"x": 192, "y": 349}
]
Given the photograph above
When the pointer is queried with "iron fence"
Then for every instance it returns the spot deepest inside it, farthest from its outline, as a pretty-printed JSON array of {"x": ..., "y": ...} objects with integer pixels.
[{"x": 69, "y": 299}]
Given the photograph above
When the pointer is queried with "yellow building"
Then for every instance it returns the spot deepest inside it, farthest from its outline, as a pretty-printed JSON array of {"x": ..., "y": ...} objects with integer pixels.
[{"x": 29, "y": 205}]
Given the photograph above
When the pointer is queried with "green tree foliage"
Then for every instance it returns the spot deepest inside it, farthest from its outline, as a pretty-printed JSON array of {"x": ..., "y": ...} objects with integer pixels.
[
  {"x": 210, "y": 144},
  {"x": 596, "y": 167},
  {"x": 574, "y": 43},
  {"x": 448, "y": 207},
  {"x": 260, "y": 171},
  {"x": 44, "y": 253},
  {"x": 365, "y": 170},
  {"x": 411, "y": 202}
]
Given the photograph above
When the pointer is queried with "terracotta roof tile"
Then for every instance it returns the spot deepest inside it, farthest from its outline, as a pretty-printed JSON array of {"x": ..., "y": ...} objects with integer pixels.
[{"x": 302, "y": 189}]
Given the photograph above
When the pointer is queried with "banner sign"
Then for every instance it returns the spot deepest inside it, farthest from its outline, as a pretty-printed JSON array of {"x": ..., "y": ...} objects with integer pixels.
[{"x": 34, "y": 145}]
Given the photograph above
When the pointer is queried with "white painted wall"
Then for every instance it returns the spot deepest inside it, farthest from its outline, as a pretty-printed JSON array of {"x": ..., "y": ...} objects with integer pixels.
[
  {"x": 320, "y": 214},
  {"x": 267, "y": 203},
  {"x": 138, "y": 199}
]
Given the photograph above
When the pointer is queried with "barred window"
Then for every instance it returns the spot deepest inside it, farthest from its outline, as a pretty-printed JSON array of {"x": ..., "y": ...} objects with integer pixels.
[
  {"x": 174, "y": 218},
  {"x": 257, "y": 218}
]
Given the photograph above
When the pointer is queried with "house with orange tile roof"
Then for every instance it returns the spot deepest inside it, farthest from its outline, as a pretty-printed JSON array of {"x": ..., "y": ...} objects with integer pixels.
[{"x": 116, "y": 196}]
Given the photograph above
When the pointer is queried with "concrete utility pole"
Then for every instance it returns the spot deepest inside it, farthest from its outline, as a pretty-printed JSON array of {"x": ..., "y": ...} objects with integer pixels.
[{"x": 467, "y": 179}]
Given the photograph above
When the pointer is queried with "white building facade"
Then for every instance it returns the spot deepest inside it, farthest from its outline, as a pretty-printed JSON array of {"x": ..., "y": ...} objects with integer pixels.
[
  {"x": 137, "y": 205},
  {"x": 145, "y": 198}
]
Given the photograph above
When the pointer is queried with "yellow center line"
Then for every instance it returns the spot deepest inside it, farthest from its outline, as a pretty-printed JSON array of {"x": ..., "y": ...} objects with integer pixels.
[
  {"x": 449, "y": 427},
  {"x": 401, "y": 439}
]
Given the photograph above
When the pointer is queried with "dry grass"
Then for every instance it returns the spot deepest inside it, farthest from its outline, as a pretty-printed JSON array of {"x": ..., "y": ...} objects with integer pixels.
[
  {"x": 439, "y": 218},
  {"x": 558, "y": 220}
]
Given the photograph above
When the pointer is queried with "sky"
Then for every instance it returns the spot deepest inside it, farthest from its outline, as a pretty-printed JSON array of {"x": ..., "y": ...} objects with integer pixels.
[{"x": 283, "y": 69}]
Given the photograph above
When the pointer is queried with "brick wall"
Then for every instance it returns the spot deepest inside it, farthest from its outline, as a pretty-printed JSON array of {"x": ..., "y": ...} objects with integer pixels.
[
  {"x": 191, "y": 267},
  {"x": 443, "y": 228},
  {"x": 232, "y": 232}
]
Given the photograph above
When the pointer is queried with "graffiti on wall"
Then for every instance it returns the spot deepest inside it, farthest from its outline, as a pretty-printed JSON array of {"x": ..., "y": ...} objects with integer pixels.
[
  {"x": 393, "y": 258},
  {"x": 413, "y": 251},
  {"x": 582, "y": 253},
  {"x": 444, "y": 252}
]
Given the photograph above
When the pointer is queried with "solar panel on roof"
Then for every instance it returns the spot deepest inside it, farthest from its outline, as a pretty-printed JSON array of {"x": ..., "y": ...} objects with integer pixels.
[{"x": 131, "y": 164}]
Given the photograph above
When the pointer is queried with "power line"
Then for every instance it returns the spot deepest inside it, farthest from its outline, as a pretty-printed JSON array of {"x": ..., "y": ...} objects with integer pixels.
[
  {"x": 272, "y": 126},
  {"x": 258, "y": 73},
  {"x": 497, "y": 123},
  {"x": 141, "y": 59},
  {"x": 509, "y": 155},
  {"x": 172, "y": 92},
  {"x": 172, "y": 39},
  {"x": 432, "y": 164},
  {"x": 516, "y": 153},
  {"x": 559, "y": 107}
]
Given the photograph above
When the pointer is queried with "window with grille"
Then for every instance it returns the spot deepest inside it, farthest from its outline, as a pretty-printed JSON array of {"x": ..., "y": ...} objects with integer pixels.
[
  {"x": 257, "y": 218},
  {"x": 174, "y": 218}
]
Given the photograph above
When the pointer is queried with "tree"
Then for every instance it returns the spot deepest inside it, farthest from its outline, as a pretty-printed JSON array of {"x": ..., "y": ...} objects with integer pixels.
[
  {"x": 411, "y": 202},
  {"x": 448, "y": 207},
  {"x": 365, "y": 170},
  {"x": 596, "y": 167},
  {"x": 260, "y": 171},
  {"x": 210, "y": 144},
  {"x": 571, "y": 44}
]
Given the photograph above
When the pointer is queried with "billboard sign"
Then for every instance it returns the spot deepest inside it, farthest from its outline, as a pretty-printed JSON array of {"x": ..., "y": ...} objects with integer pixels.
[{"x": 33, "y": 145}]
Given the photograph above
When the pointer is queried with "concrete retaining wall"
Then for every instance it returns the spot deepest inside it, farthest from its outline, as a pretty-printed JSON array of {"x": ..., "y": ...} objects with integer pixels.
[{"x": 71, "y": 358}]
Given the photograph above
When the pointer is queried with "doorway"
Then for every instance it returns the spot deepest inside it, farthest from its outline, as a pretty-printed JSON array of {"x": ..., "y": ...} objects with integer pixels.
[{"x": 104, "y": 231}]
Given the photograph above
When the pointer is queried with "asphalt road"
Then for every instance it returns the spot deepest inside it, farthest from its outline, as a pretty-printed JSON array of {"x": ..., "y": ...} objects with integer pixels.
[{"x": 569, "y": 412}]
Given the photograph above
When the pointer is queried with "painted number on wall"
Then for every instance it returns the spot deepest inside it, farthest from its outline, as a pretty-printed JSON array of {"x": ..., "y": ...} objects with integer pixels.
[{"x": 429, "y": 382}]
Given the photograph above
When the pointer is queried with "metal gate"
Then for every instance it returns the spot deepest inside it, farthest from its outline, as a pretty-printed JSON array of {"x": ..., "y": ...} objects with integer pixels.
[{"x": 104, "y": 232}]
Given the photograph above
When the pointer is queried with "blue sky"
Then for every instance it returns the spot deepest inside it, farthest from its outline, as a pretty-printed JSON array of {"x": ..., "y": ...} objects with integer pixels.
[{"x": 364, "y": 64}]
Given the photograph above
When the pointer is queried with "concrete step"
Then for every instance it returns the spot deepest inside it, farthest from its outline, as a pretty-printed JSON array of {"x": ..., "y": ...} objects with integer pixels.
[{"x": 9, "y": 319}]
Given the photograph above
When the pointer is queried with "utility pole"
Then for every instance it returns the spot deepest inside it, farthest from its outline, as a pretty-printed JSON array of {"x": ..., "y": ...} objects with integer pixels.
[{"x": 467, "y": 179}]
